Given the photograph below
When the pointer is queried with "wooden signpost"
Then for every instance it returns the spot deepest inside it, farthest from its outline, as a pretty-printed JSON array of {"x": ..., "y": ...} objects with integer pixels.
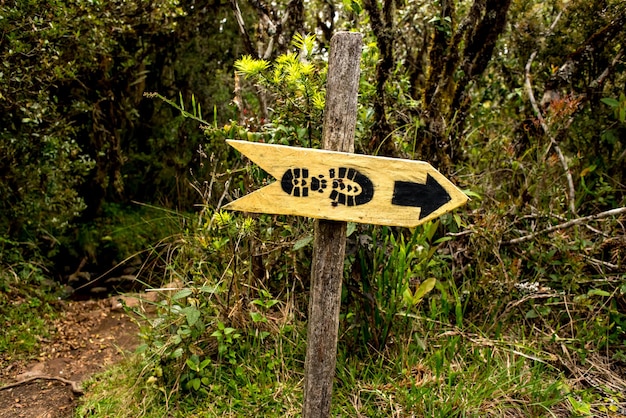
[
  {"x": 347, "y": 187},
  {"x": 335, "y": 186}
]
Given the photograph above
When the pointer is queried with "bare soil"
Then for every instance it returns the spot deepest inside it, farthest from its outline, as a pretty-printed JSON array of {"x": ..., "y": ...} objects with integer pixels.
[{"x": 88, "y": 337}]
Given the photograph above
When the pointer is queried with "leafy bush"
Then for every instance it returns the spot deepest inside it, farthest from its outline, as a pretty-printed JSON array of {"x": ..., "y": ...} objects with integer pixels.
[
  {"x": 52, "y": 111},
  {"x": 214, "y": 311}
]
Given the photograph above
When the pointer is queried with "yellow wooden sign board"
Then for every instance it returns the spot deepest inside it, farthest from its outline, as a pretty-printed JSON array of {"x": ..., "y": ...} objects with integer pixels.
[{"x": 347, "y": 187}]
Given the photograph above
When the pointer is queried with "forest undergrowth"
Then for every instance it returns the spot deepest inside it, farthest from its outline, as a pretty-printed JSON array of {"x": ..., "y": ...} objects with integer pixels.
[
  {"x": 438, "y": 321},
  {"x": 511, "y": 306},
  {"x": 497, "y": 309}
]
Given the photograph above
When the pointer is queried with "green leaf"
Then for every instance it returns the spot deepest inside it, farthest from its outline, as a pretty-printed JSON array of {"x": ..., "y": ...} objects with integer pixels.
[
  {"x": 192, "y": 314},
  {"x": 195, "y": 383},
  {"x": 192, "y": 365},
  {"x": 208, "y": 289},
  {"x": 407, "y": 297},
  {"x": 257, "y": 317},
  {"x": 353, "y": 6},
  {"x": 579, "y": 407},
  {"x": 182, "y": 294},
  {"x": 598, "y": 292},
  {"x": 610, "y": 101},
  {"x": 471, "y": 194},
  {"x": 177, "y": 353},
  {"x": 265, "y": 303},
  {"x": 531, "y": 314},
  {"x": 304, "y": 43},
  {"x": 442, "y": 240},
  {"x": 424, "y": 289},
  {"x": 430, "y": 229},
  {"x": 249, "y": 66},
  {"x": 302, "y": 242},
  {"x": 183, "y": 331},
  {"x": 318, "y": 100},
  {"x": 182, "y": 103}
]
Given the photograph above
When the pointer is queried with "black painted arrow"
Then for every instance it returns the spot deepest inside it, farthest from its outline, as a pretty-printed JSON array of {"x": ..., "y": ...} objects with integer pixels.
[{"x": 430, "y": 196}]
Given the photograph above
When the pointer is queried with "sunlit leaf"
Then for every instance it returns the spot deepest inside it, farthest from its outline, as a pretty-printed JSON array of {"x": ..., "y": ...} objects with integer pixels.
[
  {"x": 598, "y": 292},
  {"x": 425, "y": 288}
]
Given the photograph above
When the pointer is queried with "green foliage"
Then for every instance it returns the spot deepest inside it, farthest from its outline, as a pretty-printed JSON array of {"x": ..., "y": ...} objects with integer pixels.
[
  {"x": 425, "y": 314},
  {"x": 174, "y": 340},
  {"x": 390, "y": 274},
  {"x": 196, "y": 107},
  {"x": 295, "y": 81},
  {"x": 26, "y": 309},
  {"x": 46, "y": 57},
  {"x": 459, "y": 372},
  {"x": 123, "y": 232},
  {"x": 75, "y": 131},
  {"x": 197, "y": 340},
  {"x": 226, "y": 338},
  {"x": 618, "y": 106}
]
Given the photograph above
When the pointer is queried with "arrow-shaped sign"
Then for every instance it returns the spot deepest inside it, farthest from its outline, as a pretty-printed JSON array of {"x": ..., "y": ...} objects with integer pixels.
[{"x": 347, "y": 187}]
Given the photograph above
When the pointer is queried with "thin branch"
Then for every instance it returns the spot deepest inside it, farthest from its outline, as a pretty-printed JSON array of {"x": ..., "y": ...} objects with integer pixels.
[
  {"x": 238, "y": 100},
  {"x": 242, "y": 28},
  {"x": 577, "y": 221},
  {"x": 601, "y": 262},
  {"x": 75, "y": 385},
  {"x": 546, "y": 129},
  {"x": 513, "y": 304},
  {"x": 598, "y": 81}
]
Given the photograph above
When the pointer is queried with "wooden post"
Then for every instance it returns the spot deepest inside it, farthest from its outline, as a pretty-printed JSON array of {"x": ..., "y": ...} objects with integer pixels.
[{"x": 330, "y": 236}]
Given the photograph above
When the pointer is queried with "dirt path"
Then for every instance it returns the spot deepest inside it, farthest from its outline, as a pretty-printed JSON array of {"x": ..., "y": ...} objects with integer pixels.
[{"x": 90, "y": 335}]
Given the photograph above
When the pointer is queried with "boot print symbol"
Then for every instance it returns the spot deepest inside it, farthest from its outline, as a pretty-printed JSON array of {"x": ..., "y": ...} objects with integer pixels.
[{"x": 347, "y": 186}]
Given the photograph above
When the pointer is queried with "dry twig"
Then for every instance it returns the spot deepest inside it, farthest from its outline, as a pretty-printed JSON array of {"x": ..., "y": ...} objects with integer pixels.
[
  {"x": 577, "y": 221},
  {"x": 74, "y": 384},
  {"x": 546, "y": 129}
]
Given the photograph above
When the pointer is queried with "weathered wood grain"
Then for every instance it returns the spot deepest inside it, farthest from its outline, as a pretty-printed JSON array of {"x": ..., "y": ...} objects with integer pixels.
[{"x": 330, "y": 236}]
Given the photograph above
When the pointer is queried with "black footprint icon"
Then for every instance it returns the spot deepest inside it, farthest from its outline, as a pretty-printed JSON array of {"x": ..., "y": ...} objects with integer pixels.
[{"x": 349, "y": 186}]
